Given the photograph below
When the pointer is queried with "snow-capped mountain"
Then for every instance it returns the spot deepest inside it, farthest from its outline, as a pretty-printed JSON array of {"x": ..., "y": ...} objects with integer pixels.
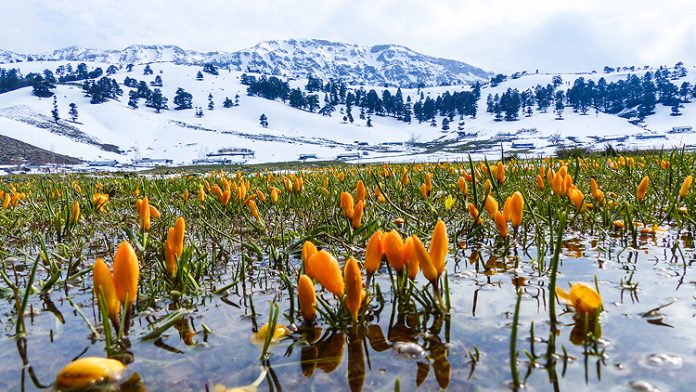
[
  {"x": 372, "y": 65},
  {"x": 391, "y": 65}
]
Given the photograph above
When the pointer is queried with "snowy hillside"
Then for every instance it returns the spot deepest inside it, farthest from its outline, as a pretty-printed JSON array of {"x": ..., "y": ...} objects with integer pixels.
[
  {"x": 370, "y": 65},
  {"x": 114, "y": 131}
]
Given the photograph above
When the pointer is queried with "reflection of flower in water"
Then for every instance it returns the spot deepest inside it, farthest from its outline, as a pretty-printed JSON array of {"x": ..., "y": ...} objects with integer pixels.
[{"x": 586, "y": 329}]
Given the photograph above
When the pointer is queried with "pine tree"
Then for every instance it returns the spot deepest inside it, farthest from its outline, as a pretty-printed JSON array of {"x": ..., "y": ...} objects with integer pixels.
[
  {"x": 158, "y": 81},
  {"x": 236, "y": 100},
  {"x": 54, "y": 112},
  {"x": 133, "y": 99},
  {"x": 199, "y": 75},
  {"x": 675, "y": 110},
  {"x": 73, "y": 112},
  {"x": 227, "y": 103},
  {"x": 211, "y": 104},
  {"x": 147, "y": 70},
  {"x": 263, "y": 120},
  {"x": 157, "y": 101},
  {"x": 445, "y": 124},
  {"x": 369, "y": 121},
  {"x": 433, "y": 122},
  {"x": 182, "y": 99}
]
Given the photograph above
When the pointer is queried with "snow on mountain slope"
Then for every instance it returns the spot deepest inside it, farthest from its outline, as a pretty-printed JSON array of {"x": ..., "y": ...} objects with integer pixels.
[
  {"x": 179, "y": 135},
  {"x": 381, "y": 64},
  {"x": 113, "y": 131}
]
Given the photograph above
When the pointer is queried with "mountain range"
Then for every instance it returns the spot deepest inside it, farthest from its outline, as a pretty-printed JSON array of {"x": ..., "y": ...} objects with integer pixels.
[{"x": 383, "y": 65}]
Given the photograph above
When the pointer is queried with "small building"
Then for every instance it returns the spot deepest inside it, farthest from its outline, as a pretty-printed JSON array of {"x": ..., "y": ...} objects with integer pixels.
[{"x": 682, "y": 129}]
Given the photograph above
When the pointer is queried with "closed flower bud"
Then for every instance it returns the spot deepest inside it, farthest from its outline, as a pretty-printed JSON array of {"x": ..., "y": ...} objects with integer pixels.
[
  {"x": 516, "y": 209},
  {"x": 307, "y": 298},
  {"x": 308, "y": 250},
  {"x": 501, "y": 224},
  {"x": 126, "y": 273},
  {"x": 684, "y": 190},
  {"x": 373, "y": 253},
  {"x": 327, "y": 272},
  {"x": 353, "y": 281},
  {"x": 643, "y": 188},
  {"x": 393, "y": 247}
]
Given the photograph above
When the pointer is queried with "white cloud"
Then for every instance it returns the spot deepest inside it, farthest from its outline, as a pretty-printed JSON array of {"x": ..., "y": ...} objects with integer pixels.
[{"x": 501, "y": 35}]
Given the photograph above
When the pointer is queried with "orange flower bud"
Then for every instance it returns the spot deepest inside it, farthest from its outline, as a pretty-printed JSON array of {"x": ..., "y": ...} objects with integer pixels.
[
  {"x": 576, "y": 197},
  {"x": 308, "y": 250},
  {"x": 423, "y": 191},
  {"x": 327, "y": 272},
  {"x": 500, "y": 173},
  {"x": 186, "y": 195},
  {"x": 643, "y": 188},
  {"x": 491, "y": 205},
  {"x": 410, "y": 259},
  {"x": 684, "y": 190},
  {"x": 516, "y": 208},
  {"x": 126, "y": 273},
  {"x": 474, "y": 213},
  {"x": 438, "y": 247},
  {"x": 101, "y": 277},
  {"x": 501, "y": 224},
  {"x": 169, "y": 256},
  {"x": 347, "y": 205},
  {"x": 461, "y": 185},
  {"x": 360, "y": 192},
  {"x": 75, "y": 212},
  {"x": 353, "y": 279},
  {"x": 307, "y": 298},
  {"x": 154, "y": 212},
  {"x": 357, "y": 214},
  {"x": 274, "y": 195},
  {"x": 540, "y": 182},
  {"x": 429, "y": 182},
  {"x": 393, "y": 246},
  {"x": 424, "y": 260},
  {"x": 373, "y": 253},
  {"x": 144, "y": 212},
  {"x": 178, "y": 236},
  {"x": 254, "y": 210}
]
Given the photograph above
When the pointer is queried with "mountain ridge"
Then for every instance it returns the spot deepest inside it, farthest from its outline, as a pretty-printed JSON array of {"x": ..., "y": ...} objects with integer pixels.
[{"x": 384, "y": 64}]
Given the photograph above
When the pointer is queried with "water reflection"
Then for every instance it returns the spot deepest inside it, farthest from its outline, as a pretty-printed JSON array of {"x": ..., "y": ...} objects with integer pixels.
[{"x": 403, "y": 336}]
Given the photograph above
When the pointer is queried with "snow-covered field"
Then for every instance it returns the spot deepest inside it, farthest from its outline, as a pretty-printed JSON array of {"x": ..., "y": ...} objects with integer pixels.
[{"x": 182, "y": 137}]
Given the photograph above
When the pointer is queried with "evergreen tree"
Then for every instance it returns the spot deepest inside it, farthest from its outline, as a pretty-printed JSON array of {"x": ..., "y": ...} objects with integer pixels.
[
  {"x": 445, "y": 124},
  {"x": 263, "y": 120},
  {"x": 490, "y": 104},
  {"x": 210, "y": 68},
  {"x": 133, "y": 99},
  {"x": 211, "y": 104},
  {"x": 157, "y": 101},
  {"x": 182, "y": 99},
  {"x": 559, "y": 104},
  {"x": 227, "y": 103},
  {"x": 327, "y": 109},
  {"x": 157, "y": 82},
  {"x": 111, "y": 70},
  {"x": 199, "y": 112},
  {"x": 54, "y": 112},
  {"x": 147, "y": 70},
  {"x": 433, "y": 122},
  {"x": 369, "y": 122},
  {"x": 675, "y": 110},
  {"x": 41, "y": 86},
  {"x": 312, "y": 101},
  {"x": 236, "y": 100},
  {"x": 199, "y": 75},
  {"x": 73, "y": 112},
  {"x": 129, "y": 67}
]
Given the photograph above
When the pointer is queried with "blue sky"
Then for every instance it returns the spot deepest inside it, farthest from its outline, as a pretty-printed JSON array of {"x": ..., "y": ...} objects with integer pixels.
[{"x": 498, "y": 35}]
